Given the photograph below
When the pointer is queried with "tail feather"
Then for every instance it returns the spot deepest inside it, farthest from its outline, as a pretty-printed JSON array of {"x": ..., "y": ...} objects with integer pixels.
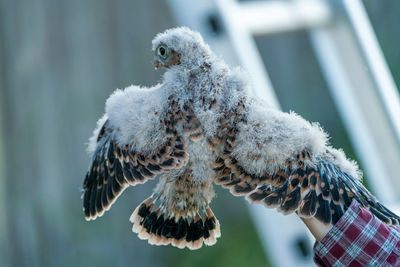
[
  {"x": 160, "y": 229},
  {"x": 211, "y": 229}
]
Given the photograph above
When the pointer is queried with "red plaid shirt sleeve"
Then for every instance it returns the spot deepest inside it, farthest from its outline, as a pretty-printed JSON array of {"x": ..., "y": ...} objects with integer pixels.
[{"x": 359, "y": 239}]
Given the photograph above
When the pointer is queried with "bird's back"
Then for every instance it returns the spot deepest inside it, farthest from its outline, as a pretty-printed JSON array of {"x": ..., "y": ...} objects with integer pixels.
[{"x": 136, "y": 115}]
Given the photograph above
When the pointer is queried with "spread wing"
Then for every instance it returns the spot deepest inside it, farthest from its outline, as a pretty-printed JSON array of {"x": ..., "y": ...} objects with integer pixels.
[
  {"x": 322, "y": 191},
  {"x": 308, "y": 185},
  {"x": 114, "y": 166}
]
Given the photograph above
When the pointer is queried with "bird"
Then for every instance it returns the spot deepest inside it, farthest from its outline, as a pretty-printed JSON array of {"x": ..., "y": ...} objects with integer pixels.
[{"x": 200, "y": 127}]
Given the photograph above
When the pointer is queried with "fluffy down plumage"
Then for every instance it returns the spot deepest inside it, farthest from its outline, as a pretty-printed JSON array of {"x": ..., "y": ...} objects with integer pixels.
[{"x": 202, "y": 126}]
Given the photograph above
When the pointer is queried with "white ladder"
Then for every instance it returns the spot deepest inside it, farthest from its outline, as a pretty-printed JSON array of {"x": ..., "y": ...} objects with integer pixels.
[{"x": 357, "y": 75}]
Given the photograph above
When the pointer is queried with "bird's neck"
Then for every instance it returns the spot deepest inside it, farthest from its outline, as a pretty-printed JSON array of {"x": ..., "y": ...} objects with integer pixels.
[{"x": 197, "y": 84}]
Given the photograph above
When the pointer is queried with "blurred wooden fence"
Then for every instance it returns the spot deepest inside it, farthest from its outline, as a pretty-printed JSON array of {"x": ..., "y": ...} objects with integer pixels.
[{"x": 59, "y": 62}]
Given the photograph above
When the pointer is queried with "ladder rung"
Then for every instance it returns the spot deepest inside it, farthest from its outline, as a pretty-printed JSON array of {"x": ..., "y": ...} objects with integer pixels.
[{"x": 262, "y": 18}]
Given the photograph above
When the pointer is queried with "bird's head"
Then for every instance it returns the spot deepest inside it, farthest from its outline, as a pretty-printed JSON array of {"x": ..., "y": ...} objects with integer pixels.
[{"x": 179, "y": 46}]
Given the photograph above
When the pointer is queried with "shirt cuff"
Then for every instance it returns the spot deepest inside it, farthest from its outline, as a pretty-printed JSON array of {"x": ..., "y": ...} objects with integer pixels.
[{"x": 358, "y": 239}]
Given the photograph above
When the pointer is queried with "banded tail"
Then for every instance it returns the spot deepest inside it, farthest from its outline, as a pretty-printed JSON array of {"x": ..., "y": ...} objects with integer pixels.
[{"x": 179, "y": 231}]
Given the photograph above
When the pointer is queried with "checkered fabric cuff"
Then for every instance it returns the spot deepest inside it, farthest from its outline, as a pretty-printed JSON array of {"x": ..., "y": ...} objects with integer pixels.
[{"x": 359, "y": 239}]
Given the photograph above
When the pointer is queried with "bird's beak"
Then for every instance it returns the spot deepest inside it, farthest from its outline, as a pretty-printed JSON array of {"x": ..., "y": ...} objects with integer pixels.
[{"x": 157, "y": 64}]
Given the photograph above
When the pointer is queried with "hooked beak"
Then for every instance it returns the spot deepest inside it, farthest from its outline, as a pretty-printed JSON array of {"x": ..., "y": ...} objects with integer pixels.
[{"x": 157, "y": 64}]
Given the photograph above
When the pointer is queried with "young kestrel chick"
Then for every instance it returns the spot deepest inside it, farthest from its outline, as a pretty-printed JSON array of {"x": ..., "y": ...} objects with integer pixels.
[{"x": 201, "y": 126}]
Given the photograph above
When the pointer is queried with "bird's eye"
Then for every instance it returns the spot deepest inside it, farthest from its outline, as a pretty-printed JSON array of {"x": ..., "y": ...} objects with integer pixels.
[{"x": 162, "y": 51}]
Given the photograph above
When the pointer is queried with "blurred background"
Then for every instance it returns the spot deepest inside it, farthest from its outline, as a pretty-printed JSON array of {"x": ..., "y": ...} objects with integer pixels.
[{"x": 60, "y": 60}]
